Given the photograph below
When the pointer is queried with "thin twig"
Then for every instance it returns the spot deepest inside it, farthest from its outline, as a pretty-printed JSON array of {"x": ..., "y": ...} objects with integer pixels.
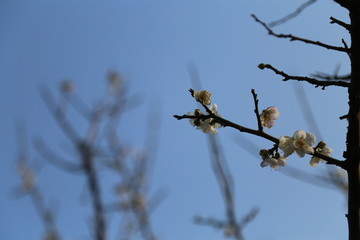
[
  {"x": 256, "y": 103},
  {"x": 314, "y": 81},
  {"x": 295, "y": 38}
]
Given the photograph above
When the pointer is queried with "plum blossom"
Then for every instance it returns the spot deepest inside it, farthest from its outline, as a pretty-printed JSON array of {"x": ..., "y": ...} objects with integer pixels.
[
  {"x": 273, "y": 160},
  {"x": 301, "y": 143},
  {"x": 268, "y": 117},
  {"x": 203, "y": 97},
  {"x": 324, "y": 150},
  {"x": 207, "y": 125}
]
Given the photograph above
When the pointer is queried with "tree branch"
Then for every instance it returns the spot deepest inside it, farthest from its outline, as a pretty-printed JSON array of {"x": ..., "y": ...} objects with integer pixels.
[
  {"x": 256, "y": 101},
  {"x": 295, "y": 38},
  {"x": 340, "y": 23},
  {"x": 314, "y": 81},
  {"x": 226, "y": 123}
]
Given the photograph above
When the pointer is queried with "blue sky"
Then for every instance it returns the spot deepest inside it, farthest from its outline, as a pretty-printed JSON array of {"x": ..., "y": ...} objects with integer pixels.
[{"x": 151, "y": 44}]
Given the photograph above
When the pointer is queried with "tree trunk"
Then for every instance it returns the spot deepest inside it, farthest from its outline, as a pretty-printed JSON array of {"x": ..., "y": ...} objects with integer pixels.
[{"x": 352, "y": 153}]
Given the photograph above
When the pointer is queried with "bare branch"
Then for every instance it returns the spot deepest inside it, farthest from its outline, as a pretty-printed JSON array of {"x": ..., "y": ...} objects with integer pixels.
[
  {"x": 295, "y": 38},
  {"x": 292, "y": 15},
  {"x": 226, "y": 123},
  {"x": 316, "y": 82},
  {"x": 340, "y": 23},
  {"x": 256, "y": 101}
]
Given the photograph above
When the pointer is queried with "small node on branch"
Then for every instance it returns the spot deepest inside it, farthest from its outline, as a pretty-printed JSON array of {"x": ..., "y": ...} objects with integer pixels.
[{"x": 262, "y": 66}]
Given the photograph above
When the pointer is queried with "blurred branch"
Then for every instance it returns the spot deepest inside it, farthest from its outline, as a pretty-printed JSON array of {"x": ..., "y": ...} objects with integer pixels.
[
  {"x": 292, "y": 15},
  {"x": 58, "y": 115},
  {"x": 55, "y": 159},
  {"x": 224, "y": 179},
  {"x": 295, "y": 38},
  {"x": 31, "y": 189}
]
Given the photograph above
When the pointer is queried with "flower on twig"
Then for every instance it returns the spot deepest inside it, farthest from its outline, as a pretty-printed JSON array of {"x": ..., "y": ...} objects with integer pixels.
[
  {"x": 268, "y": 117},
  {"x": 207, "y": 125},
  {"x": 301, "y": 143},
  {"x": 273, "y": 160},
  {"x": 203, "y": 97},
  {"x": 324, "y": 150}
]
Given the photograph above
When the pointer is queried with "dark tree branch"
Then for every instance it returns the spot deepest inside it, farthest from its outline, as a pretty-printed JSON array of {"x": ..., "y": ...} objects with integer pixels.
[
  {"x": 340, "y": 23},
  {"x": 295, "y": 38},
  {"x": 331, "y": 77},
  {"x": 292, "y": 15},
  {"x": 226, "y": 123},
  {"x": 256, "y": 102},
  {"x": 316, "y": 82}
]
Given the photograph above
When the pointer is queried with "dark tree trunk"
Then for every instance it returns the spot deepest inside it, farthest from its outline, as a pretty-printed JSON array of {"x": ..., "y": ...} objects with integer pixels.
[{"x": 352, "y": 154}]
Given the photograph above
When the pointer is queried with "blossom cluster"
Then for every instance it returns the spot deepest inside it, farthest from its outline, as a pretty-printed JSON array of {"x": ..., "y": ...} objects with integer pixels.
[
  {"x": 273, "y": 160},
  {"x": 207, "y": 125},
  {"x": 302, "y": 143}
]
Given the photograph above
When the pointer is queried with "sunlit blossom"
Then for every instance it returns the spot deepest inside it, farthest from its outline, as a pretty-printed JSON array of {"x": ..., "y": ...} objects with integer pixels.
[
  {"x": 301, "y": 143},
  {"x": 203, "y": 97},
  {"x": 207, "y": 125},
  {"x": 268, "y": 117}
]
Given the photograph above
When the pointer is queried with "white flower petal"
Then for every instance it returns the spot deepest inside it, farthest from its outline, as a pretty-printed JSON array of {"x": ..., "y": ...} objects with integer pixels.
[{"x": 310, "y": 139}]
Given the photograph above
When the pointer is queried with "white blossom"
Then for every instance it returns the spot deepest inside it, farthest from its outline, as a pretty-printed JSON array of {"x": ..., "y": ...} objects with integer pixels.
[
  {"x": 324, "y": 150},
  {"x": 273, "y": 160},
  {"x": 207, "y": 125},
  {"x": 301, "y": 142},
  {"x": 268, "y": 117},
  {"x": 203, "y": 97}
]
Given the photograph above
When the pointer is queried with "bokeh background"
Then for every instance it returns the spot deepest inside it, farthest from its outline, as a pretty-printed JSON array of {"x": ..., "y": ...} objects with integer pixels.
[{"x": 152, "y": 44}]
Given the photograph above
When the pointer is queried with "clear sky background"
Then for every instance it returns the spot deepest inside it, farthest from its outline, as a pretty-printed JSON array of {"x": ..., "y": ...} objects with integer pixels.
[{"x": 151, "y": 44}]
